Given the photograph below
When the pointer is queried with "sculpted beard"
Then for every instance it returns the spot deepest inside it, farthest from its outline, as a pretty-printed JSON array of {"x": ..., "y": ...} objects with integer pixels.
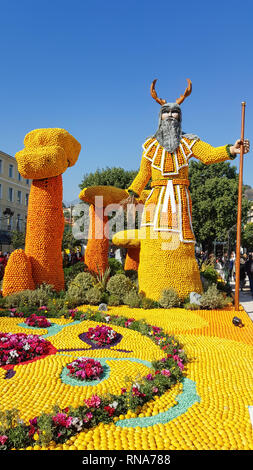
[{"x": 169, "y": 134}]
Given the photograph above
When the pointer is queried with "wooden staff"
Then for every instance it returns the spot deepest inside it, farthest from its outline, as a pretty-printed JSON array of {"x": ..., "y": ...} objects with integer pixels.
[{"x": 239, "y": 214}]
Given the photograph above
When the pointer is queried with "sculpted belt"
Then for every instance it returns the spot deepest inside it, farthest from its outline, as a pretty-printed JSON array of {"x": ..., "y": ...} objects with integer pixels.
[{"x": 169, "y": 192}]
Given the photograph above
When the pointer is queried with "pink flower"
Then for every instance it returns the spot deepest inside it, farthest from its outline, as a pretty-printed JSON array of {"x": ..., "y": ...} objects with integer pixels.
[
  {"x": 149, "y": 377},
  {"x": 166, "y": 372},
  {"x": 93, "y": 402},
  {"x": 180, "y": 365},
  {"x": 3, "y": 439}
]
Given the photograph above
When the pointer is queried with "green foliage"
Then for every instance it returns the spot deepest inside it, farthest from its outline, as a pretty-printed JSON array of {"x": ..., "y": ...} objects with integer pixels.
[
  {"x": 71, "y": 271},
  {"x": 102, "y": 279},
  {"x": 114, "y": 300},
  {"x": 18, "y": 437},
  {"x": 44, "y": 423},
  {"x": 132, "y": 274},
  {"x": 214, "y": 193},
  {"x": 109, "y": 177},
  {"x": 213, "y": 298},
  {"x": 132, "y": 299},
  {"x": 17, "y": 239},
  {"x": 76, "y": 293},
  {"x": 247, "y": 237},
  {"x": 209, "y": 273},
  {"x": 169, "y": 298},
  {"x": 30, "y": 298},
  {"x": 189, "y": 306},
  {"x": 115, "y": 266},
  {"x": 147, "y": 303},
  {"x": 68, "y": 240},
  {"x": 94, "y": 296},
  {"x": 119, "y": 285}
]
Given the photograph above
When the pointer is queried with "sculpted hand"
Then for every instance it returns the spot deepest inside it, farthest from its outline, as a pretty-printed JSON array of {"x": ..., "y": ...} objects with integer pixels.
[{"x": 236, "y": 148}]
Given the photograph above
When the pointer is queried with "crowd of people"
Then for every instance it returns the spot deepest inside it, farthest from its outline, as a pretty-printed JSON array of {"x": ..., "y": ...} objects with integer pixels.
[
  {"x": 225, "y": 265},
  {"x": 71, "y": 257},
  {"x": 3, "y": 261}
]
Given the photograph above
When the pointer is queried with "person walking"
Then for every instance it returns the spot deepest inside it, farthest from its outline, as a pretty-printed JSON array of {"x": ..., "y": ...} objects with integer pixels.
[{"x": 249, "y": 271}]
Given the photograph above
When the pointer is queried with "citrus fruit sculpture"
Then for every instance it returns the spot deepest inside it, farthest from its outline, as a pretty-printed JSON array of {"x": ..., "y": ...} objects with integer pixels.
[{"x": 47, "y": 154}]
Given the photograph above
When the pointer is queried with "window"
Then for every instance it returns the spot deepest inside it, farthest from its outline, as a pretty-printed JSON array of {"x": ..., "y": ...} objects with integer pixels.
[
  {"x": 10, "y": 222},
  {"x": 11, "y": 172},
  {"x": 1, "y": 166},
  {"x": 19, "y": 198},
  {"x": 27, "y": 182},
  {"x": 26, "y": 199},
  {"x": 19, "y": 223},
  {"x": 19, "y": 177},
  {"x": 11, "y": 194},
  {"x": 0, "y": 191}
]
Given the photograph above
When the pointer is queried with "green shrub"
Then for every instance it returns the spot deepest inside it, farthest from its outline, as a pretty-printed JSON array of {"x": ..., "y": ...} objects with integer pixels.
[
  {"x": 119, "y": 285},
  {"x": 114, "y": 300},
  {"x": 30, "y": 298},
  {"x": 213, "y": 298},
  {"x": 115, "y": 266},
  {"x": 132, "y": 299},
  {"x": 132, "y": 274},
  {"x": 76, "y": 293},
  {"x": 71, "y": 271},
  {"x": 209, "y": 273},
  {"x": 94, "y": 296},
  {"x": 83, "y": 280},
  {"x": 147, "y": 303},
  {"x": 169, "y": 298},
  {"x": 189, "y": 306},
  {"x": 102, "y": 279}
]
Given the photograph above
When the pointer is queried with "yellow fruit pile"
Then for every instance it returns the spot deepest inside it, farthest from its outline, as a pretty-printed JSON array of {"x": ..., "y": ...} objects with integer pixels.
[{"x": 220, "y": 368}]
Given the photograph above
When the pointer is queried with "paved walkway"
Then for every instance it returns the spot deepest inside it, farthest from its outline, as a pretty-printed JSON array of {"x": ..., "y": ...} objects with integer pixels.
[{"x": 246, "y": 299}]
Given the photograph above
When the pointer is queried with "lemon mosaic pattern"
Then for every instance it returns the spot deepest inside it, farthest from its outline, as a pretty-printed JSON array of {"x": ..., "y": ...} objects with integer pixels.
[{"x": 208, "y": 410}]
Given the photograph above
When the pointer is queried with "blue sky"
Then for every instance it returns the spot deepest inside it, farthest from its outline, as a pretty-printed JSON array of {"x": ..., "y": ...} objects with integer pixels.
[{"x": 86, "y": 66}]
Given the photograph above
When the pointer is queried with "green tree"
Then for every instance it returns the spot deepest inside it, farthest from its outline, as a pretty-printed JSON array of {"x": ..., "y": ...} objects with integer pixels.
[
  {"x": 214, "y": 192},
  {"x": 68, "y": 241},
  {"x": 247, "y": 237},
  {"x": 18, "y": 239},
  {"x": 109, "y": 177}
]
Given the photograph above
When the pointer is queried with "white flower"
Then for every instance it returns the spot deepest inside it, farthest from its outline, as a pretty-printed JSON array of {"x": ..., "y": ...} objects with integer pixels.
[
  {"x": 26, "y": 346},
  {"x": 13, "y": 353},
  {"x": 137, "y": 385},
  {"x": 77, "y": 423},
  {"x": 114, "y": 404},
  {"x": 107, "y": 318}
]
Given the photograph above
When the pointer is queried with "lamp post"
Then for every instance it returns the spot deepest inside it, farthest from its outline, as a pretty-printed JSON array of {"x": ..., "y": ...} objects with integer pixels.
[{"x": 239, "y": 213}]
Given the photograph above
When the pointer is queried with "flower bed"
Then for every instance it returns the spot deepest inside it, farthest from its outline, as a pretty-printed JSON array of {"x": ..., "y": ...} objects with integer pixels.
[
  {"x": 19, "y": 347},
  {"x": 85, "y": 369},
  {"x": 102, "y": 335},
  {"x": 63, "y": 423},
  {"x": 39, "y": 321}
]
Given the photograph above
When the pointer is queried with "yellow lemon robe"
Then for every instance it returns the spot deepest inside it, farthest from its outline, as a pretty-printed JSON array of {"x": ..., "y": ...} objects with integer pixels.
[{"x": 167, "y": 254}]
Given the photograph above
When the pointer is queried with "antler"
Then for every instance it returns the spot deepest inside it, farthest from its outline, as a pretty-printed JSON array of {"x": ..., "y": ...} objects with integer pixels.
[
  {"x": 187, "y": 92},
  {"x": 154, "y": 94}
]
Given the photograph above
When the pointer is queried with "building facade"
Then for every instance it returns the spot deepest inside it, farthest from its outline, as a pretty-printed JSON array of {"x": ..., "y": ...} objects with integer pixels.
[{"x": 14, "y": 195}]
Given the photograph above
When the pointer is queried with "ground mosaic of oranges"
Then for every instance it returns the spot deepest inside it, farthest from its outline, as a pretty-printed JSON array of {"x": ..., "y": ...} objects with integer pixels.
[{"x": 208, "y": 410}]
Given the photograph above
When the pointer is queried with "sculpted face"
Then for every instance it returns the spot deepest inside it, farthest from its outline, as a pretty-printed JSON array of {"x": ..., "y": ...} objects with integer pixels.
[
  {"x": 169, "y": 128},
  {"x": 170, "y": 113}
]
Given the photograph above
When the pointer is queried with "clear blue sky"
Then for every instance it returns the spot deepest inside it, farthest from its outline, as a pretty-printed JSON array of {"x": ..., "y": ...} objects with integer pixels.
[{"x": 86, "y": 66}]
